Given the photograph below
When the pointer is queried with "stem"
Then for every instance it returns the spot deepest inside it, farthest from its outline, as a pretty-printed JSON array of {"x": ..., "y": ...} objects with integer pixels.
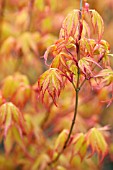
[
  {"x": 74, "y": 117},
  {"x": 83, "y": 83},
  {"x": 81, "y": 5},
  {"x": 77, "y": 89}
]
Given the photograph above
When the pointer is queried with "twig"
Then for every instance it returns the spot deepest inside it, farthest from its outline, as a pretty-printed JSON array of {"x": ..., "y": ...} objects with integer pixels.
[{"x": 77, "y": 89}]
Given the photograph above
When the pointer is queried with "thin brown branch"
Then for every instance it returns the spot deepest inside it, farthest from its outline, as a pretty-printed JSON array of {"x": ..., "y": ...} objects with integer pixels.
[
  {"x": 77, "y": 89},
  {"x": 78, "y": 79}
]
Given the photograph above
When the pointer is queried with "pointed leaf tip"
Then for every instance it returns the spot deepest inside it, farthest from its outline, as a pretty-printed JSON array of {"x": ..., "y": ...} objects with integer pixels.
[
  {"x": 96, "y": 141},
  {"x": 52, "y": 82}
]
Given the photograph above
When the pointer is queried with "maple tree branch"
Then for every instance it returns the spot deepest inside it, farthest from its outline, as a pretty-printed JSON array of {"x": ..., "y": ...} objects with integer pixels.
[
  {"x": 72, "y": 125},
  {"x": 81, "y": 1},
  {"x": 75, "y": 113},
  {"x": 77, "y": 89}
]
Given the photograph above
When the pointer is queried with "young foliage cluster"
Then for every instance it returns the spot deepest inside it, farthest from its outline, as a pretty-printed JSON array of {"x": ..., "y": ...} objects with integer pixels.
[
  {"x": 52, "y": 123},
  {"x": 77, "y": 49}
]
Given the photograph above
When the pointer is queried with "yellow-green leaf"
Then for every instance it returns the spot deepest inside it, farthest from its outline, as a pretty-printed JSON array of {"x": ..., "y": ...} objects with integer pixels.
[
  {"x": 96, "y": 140},
  {"x": 60, "y": 141},
  {"x": 70, "y": 24},
  {"x": 9, "y": 115},
  {"x": 80, "y": 145},
  {"x": 98, "y": 23}
]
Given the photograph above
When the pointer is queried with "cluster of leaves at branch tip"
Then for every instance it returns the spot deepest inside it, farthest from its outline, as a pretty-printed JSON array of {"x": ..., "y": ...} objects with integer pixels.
[
  {"x": 94, "y": 52},
  {"x": 93, "y": 65}
]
